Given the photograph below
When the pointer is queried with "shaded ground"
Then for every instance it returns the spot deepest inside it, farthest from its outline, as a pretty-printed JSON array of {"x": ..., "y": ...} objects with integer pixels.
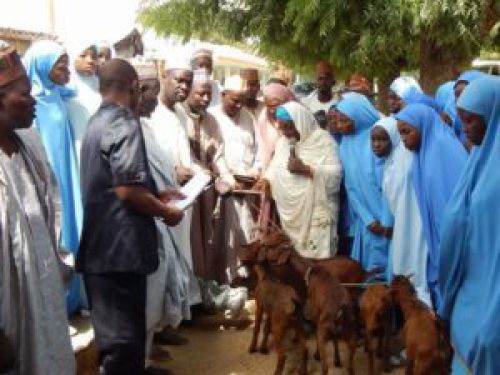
[{"x": 218, "y": 346}]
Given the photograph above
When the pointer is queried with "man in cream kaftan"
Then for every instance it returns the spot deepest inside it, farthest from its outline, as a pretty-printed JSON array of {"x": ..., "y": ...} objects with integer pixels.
[{"x": 240, "y": 155}]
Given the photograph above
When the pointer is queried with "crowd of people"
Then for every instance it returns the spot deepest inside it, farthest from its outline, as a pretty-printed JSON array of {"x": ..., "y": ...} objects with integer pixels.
[{"x": 94, "y": 152}]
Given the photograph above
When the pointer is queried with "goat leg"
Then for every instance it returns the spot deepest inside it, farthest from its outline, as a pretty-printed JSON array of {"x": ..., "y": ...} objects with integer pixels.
[
  {"x": 322, "y": 340},
  {"x": 278, "y": 335},
  {"x": 264, "y": 347},
  {"x": 351, "y": 345},
  {"x": 316, "y": 353},
  {"x": 409, "y": 367},
  {"x": 256, "y": 329},
  {"x": 369, "y": 352},
  {"x": 301, "y": 341},
  {"x": 336, "y": 359},
  {"x": 386, "y": 366},
  {"x": 380, "y": 337}
]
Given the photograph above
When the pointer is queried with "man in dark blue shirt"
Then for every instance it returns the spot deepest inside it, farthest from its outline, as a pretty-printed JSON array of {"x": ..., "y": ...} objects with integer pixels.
[{"x": 119, "y": 246}]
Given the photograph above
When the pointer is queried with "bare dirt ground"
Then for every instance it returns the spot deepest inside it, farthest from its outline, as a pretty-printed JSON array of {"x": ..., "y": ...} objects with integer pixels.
[{"x": 219, "y": 346}]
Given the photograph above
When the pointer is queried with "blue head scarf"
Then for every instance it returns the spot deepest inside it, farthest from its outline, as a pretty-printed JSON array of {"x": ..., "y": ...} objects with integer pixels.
[
  {"x": 436, "y": 168},
  {"x": 443, "y": 94},
  {"x": 282, "y": 114},
  {"x": 451, "y": 106},
  {"x": 55, "y": 130},
  {"x": 470, "y": 248},
  {"x": 414, "y": 96},
  {"x": 365, "y": 198},
  {"x": 38, "y": 61}
]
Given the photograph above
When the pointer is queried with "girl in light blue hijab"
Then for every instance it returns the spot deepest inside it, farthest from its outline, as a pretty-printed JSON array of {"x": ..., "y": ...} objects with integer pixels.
[
  {"x": 438, "y": 161},
  {"x": 370, "y": 218},
  {"x": 450, "y": 108},
  {"x": 46, "y": 64},
  {"x": 83, "y": 67},
  {"x": 470, "y": 246},
  {"x": 443, "y": 94},
  {"x": 408, "y": 250}
]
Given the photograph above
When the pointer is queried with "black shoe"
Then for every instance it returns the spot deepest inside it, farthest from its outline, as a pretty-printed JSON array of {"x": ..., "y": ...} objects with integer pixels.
[{"x": 169, "y": 337}]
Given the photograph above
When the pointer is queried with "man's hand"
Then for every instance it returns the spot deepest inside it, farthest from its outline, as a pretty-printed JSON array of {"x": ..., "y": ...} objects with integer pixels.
[
  {"x": 238, "y": 186},
  {"x": 296, "y": 166},
  {"x": 222, "y": 187},
  {"x": 170, "y": 194},
  {"x": 183, "y": 174},
  {"x": 263, "y": 186},
  {"x": 172, "y": 216}
]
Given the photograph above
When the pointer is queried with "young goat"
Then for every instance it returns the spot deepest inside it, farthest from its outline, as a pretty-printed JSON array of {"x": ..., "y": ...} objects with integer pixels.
[
  {"x": 375, "y": 306},
  {"x": 330, "y": 301},
  {"x": 280, "y": 303},
  {"x": 425, "y": 347},
  {"x": 333, "y": 314}
]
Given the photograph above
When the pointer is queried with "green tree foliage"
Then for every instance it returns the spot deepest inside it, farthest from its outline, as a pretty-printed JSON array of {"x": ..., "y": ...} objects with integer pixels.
[{"x": 376, "y": 37}]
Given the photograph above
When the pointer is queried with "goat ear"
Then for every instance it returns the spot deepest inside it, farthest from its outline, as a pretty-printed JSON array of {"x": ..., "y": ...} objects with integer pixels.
[{"x": 284, "y": 257}]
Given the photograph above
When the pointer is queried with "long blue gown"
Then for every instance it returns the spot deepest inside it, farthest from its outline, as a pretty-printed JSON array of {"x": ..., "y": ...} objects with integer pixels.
[
  {"x": 470, "y": 247},
  {"x": 54, "y": 127},
  {"x": 365, "y": 199},
  {"x": 436, "y": 168}
]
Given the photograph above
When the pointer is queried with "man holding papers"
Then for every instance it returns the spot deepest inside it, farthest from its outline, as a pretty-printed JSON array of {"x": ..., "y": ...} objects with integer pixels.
[
  {"x": 205, "y": 141},
  {"x": 172, "y": 289}
]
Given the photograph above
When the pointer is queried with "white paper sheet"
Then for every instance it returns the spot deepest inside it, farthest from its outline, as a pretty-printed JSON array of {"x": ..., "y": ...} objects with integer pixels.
[{"x": 193, "y": 188}]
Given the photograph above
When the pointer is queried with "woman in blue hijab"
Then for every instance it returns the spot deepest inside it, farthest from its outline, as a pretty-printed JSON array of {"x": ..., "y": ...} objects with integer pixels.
[
  {"x": 443, "y": 94},
  {"x": 437, "y": 164},
  {"x": 370, "y": 218},
  {"x": 46, "y": 64},
  {"x": 450, "y": 108},
  {"x": 408, "y": 251},
  {"x": 470, "y": 246}
]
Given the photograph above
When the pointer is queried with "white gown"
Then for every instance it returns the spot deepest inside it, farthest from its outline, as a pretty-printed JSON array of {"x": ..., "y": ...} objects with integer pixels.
[{"x": 408, "y": 250}]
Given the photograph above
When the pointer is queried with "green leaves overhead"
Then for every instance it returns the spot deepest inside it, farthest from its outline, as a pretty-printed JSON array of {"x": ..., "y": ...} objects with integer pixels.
[{"x": 372, "y": 36}]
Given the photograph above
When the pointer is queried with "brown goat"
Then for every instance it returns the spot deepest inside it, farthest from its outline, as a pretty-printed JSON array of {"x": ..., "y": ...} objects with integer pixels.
[
  {"x": 330, "y": 302},
  {"x": 333, "y": 314},
  {"x": 375, "y": 307},
  {"x": 279, "y": 302},
  {"x": 425, "y": 347},
  {"x": 346, "y": 270},
  {"x": 273, "y": 252}
]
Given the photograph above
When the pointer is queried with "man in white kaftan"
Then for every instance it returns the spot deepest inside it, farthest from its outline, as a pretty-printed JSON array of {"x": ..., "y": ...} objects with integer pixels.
[
  {"x": 170, "y": 134},
  {"x": 322, "y": 98},
  {"x": 205, "y": 142},
  {"x": 240, "y": 155}
]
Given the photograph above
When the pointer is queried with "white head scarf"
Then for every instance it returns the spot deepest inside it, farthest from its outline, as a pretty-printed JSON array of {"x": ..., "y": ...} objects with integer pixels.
[
  {"x": 390, "y": 125},
  {"x": 87, "y": 99},
  {"x": 403, "y": 85},
  {"x": 302, "y": 201}
]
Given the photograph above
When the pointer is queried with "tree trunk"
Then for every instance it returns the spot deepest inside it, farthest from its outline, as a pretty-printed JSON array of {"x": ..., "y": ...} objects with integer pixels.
[
  {"x": 384, "y": 82},
  {"x": 439, "y": 64}
]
